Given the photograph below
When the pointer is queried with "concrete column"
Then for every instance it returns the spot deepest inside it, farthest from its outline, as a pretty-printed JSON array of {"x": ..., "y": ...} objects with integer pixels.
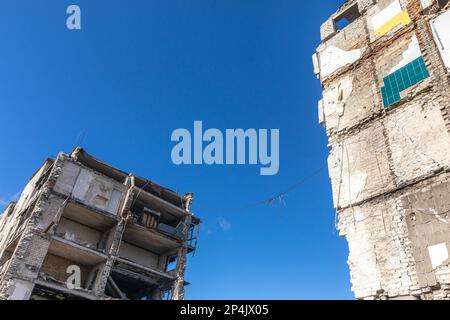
[
  {"x": 102, "y": 278},
  {"x": 327, "y": 29}
]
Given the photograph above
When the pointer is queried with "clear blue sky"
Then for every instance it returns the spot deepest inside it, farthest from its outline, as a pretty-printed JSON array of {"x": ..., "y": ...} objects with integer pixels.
[{"x": 140, "y": 69}]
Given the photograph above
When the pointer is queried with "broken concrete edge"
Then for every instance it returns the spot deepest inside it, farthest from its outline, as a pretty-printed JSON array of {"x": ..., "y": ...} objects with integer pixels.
[
  {"x": 35, "y": 236},
  {"x": 417, "y": 12},
  {"x": 388, "y": 164},
  {"x": 80, "y": 155}
]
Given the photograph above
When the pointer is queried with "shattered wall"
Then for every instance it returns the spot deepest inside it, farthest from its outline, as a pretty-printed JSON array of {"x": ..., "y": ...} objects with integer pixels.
[
  {"x": 440, "y": 26},
  {"x": 385, "y": 107},
  {"x": 90, "y": 188},
  {"x": 77, "y": 211}
]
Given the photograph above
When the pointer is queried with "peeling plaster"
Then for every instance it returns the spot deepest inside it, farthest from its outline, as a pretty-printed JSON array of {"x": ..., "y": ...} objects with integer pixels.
[
  {"x": 333, "y": 58},
  {"x": 441, "y": 32},
  {"x": 334, "y": 97},
  {"x": 438, "y": 254}
]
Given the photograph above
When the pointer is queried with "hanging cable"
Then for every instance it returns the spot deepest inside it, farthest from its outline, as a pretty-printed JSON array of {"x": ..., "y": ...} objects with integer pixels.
[{"x": 278, "y": 196}]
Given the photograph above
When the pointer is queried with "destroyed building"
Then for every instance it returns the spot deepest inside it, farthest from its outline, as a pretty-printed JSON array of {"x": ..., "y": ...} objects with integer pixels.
[
  {"x": 127, "y": 237},
  {"x": 384, "y": 69}
]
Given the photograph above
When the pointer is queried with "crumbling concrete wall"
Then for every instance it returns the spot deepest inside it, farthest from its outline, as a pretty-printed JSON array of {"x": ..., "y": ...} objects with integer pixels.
[
  {"x": 390, "y": 239},
  {"x": 341, "y": 100},
  {"x": 387, "y": 120},
  {"x": 12, "y": 222},
  {"x": 78, "y": 233},
  {"x": 17, "y": 281},
  {"x": 139, "y": 255},
  {"x": 35, "y": 224},
  {"x": 428, "y": 223},
  {"x": 359, "y": 166},
  {"x": 73, "y": 214},
  {"x": 418, "y": 140},
  {"x": 90, "y": 188}
]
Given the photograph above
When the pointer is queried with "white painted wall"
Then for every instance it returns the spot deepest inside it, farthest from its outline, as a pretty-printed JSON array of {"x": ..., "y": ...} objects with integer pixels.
[
  {"x": 334, "y": 58},
  {"x": 386, "y": 14},
  {"x": 438, "y": 254},
  {"x": 81, "y": 188},
  {"x": 335, "y": 96},
  {"x": 412, "y": 53},
  {"x": 441, "y": 32}
]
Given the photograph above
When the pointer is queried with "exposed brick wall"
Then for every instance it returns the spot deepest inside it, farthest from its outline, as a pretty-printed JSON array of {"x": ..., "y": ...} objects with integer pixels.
[{"x": 389, "y": 166}]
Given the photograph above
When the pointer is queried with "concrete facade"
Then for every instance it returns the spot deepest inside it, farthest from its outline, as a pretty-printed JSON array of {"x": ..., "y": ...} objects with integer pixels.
[
  {"x": 385, "y": 107},
  {"x": 120, "y": 231}
]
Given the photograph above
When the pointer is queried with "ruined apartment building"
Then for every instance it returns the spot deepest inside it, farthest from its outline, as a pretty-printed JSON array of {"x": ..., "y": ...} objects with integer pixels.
[
  {"x": 384, "y": 68},
  {"x": 128, "y": 237}
]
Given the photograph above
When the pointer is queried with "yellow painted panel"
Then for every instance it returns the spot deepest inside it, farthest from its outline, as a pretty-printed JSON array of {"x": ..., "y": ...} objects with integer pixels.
[{"x": 401, "y": 18}]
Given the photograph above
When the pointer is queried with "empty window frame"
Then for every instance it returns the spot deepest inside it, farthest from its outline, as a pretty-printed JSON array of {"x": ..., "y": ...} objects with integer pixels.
[
  {"x": 171, "y": 263},
  {"x": 347, "y": 17}
]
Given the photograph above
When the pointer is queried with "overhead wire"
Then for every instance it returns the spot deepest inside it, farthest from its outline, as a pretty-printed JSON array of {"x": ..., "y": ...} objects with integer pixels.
[{"x": 276, "y": 196}]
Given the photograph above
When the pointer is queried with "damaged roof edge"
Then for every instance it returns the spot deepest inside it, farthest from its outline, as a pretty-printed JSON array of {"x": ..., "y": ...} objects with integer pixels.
[
  {"x": 47, "y": 161},
  {"x": 79, "y": 154},
  {"x": 347, "y": 4}
]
